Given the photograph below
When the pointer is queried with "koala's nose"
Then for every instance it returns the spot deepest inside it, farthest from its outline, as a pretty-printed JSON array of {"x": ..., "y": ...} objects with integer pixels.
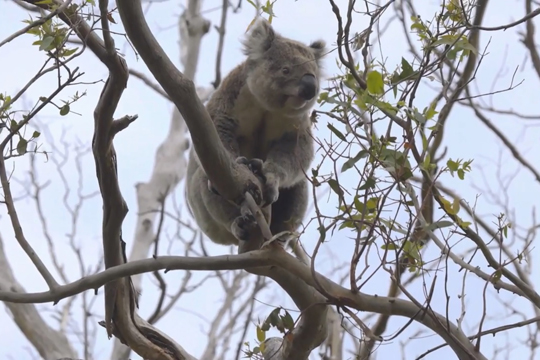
[{"x": 308, "y": 86}]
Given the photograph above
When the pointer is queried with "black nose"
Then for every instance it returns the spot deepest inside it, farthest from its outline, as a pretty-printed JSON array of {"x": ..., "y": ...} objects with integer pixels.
[{"x": 308, "y": 87}]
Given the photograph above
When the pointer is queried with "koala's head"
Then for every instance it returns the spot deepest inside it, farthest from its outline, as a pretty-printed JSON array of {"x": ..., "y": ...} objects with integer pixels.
[{"x": 283, "y": 74}]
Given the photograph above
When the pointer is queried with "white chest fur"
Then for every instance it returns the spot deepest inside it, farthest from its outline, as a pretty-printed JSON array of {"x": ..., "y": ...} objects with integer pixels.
[{"x": 259, "y": 128}]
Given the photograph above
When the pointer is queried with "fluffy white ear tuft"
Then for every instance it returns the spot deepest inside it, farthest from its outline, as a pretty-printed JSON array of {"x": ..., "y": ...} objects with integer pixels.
[
  {"x": 319, "y": 48},
  {"x": 260, "y": 38}
]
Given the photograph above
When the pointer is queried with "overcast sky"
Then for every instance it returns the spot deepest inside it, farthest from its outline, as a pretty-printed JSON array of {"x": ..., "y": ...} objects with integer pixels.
[{"x": 304, "y": 20}]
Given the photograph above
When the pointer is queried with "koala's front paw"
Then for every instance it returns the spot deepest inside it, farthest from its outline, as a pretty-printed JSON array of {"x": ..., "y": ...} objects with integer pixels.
[
  {"x": 243, "y": 227},
  {"x": 270, "y": 187},
  {"x": 256, "y": 167},
  {"x": 250, "y": 186},
  {"x": 242, "y": 160},
  {"x": 270, "y": 190}
]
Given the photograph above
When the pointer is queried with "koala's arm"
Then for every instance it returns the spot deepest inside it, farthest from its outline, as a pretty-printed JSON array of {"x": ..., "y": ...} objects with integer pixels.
[
  {"x": 289, "y": 158},
  {"x": 221, "y": 107},
  {"x": 226, "y": 129}
]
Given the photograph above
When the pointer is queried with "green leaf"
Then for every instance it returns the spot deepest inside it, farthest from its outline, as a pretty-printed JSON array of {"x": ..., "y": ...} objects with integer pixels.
[
  {"x": 456, "y": 205},
  {"x": 464, "y": 44},
  {"x": 407, "y": 69},
  {"x": 273, "y": 318},
  {"x": 46, "y": 43},
  {"x": 419, "y": 117},
  {"x": 375, "y": 84},
  {"x": 21, "y": 146},
  {"x": 372, "y": 203},
  {"x": 439, "y": 225},
  {"x": 430, "y": 113},
  {"x": 350, "y": 163},
  {"x": 424, "y": 140},
  {"x": 412, "y": 249},
  {"x": 335, "y": 186},
  {"x": 359, "y": 101},
  {"x": 427, "y": 161},
  {"x": 265, "y": 326},
  {"x": 389, "y": 246},
  {"x": 64, "y": 110},
  {"x": 347, "y": 224},
  {"x": 69, "y": 52},
  {"x": 392, "y": 225},
  {"x": 452, "y": 165},
  {"x": 445, "y": 40},
  {"x": 288, "y": 321},
  {"x": 261, "y": 334},
  {"x": 369, "y": 184},
  {"x": 337, "y": 132},
  {"x": 464, "y": 224},
  {"x": 34, "y": 31},
  {"x": 360, "y": 207},
  {"x": 323, "y": 97},
  {"x": 36, "y": 134},
  {"x": 383, "y": 105}
]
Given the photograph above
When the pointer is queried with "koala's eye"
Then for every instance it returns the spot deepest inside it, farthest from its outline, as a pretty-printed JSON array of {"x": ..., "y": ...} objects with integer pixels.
[{"x": 285, "y": 70}]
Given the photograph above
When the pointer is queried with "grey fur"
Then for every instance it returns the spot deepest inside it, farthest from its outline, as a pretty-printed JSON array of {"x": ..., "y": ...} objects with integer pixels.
[{"x": 262, "y": 111}]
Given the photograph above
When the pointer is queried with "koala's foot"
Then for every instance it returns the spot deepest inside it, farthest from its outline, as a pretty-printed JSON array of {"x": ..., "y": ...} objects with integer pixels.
[
  {"x": 244, "y": 226},
  {"x": 270, "y": 190}
]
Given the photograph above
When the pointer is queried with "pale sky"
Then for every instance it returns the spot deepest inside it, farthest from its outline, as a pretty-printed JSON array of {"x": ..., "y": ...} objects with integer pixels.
[{"x": 136, "y": 146}]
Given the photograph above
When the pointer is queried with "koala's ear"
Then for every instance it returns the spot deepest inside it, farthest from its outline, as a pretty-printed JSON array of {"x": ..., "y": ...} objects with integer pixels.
[
  {"x": 319, "y": 48},
  {"x": 260, "y": 38}
]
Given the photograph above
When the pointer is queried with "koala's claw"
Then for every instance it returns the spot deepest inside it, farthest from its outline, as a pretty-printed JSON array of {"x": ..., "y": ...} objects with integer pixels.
[
  {"x": 212, "y": 188},
  {"x": 270, "y": 193},
  {"x": 270, "y": 189},
  {"x": 256, "y": 167},
  {"x": 243, "y": 227},
  {"x": 255, "y": 192},
  {"x": 242, "y": 160}
]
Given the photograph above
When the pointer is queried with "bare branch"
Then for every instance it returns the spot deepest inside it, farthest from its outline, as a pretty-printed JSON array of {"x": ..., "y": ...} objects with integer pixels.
[{"x": 49, "y": 343}]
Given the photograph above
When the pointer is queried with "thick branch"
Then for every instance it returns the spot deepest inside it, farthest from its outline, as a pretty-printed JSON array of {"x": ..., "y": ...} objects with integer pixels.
[
  {"x": 217, "y": 165},
  {"x": 170, "y": 161},
  {"x": 214, "y": 159},
  {"x": 337, "y": 294}
]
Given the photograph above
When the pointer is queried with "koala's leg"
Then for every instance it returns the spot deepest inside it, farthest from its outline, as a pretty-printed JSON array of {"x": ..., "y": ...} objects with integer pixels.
[
  {"x": 213, "y": 214},
  {"x": 220, "y": 220},
  {"x": 290, "y": 208}
]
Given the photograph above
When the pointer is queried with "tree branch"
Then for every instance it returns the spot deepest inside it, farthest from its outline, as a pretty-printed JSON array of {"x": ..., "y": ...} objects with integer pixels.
[
  {"x": 336, "y": 293},
  {"x": 49, "y": 343},
  {"x": 170, "y": 162}
]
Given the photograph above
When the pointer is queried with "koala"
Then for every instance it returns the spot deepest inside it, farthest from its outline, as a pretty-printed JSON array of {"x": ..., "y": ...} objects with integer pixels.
[{"x": 261, "y": 112}]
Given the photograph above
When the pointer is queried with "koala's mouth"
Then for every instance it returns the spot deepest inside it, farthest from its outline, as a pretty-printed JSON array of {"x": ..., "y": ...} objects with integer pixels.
[{"x": 296, "y": 102}]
